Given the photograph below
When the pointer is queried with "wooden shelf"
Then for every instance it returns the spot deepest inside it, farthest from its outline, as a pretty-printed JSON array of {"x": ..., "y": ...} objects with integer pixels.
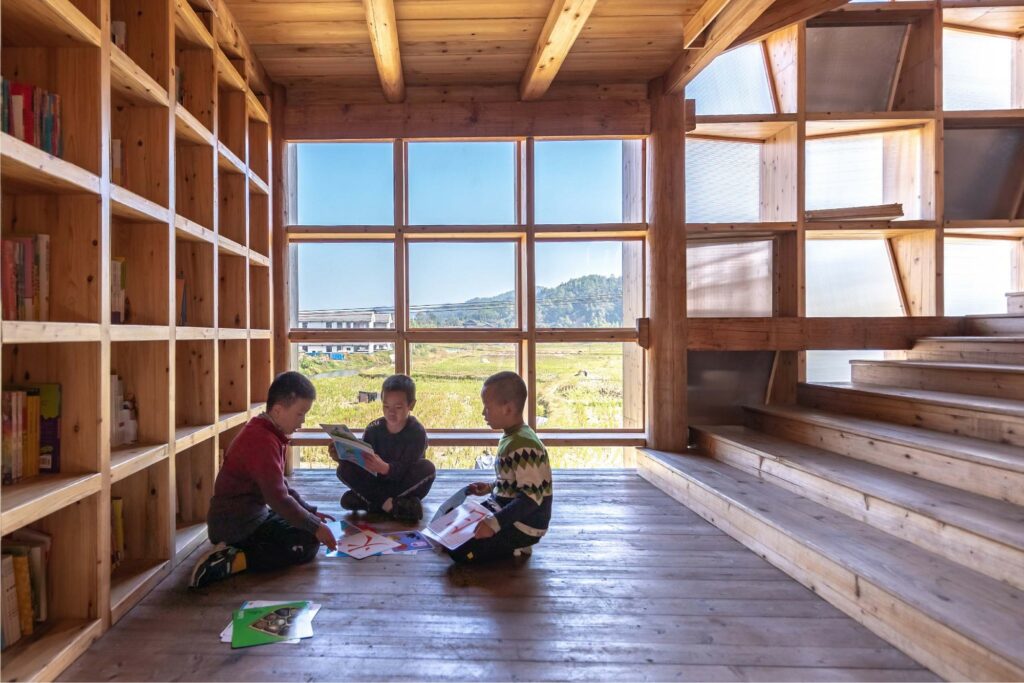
[
  {"x": 988, "y": 118},
  {"x": 39, "y": 496},
  {"x": 186, "y": 538},
  {"x": 30, "y": 332},
  {"x": 257, "y": 259},
  {"x": 52, "y": 23},
  {"x": 228, "y": 160},
  {"x": 192, "y": 435},
  {"x": 128, "y": 460},
  {"x": 258, "y": 184},
  {"x": 129, "y": 206},
  {"x": 139, "y": 333},
  {"x": 195, "y": 333},
  {"x": 259, "y": 334},
  {"x": 188, "y": 128},
  {"x": 190, "y": 230},
  {"x": 227, "y": 75},
  {"x": 742, "y": 128},
  {"x": 226, "y": 246},
  {"x": 189, "y": 28},
  {"x": 24, "y": 167},
  {"x": 231, "y": 420},
  {"x": 131, "y": 581},
  {"x": 232, "y": 333},
  {"x": 255, "y": 108},
  {"x": 256, "y": 408},
  {"x": 132, "y": 83},
  {"x": 829, "y": 124},
  {"x": 46, "y": 653}
]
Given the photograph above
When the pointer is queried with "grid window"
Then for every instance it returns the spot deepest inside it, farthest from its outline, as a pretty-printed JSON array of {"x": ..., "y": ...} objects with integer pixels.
[
  {"x": 579, "y": 181},
  {"x": 344, "y": 285},
  {"x": 462, "y": 183},
  {"x": 345, "y": 183},
  {"x": 449, "y": 378},
  {"x": 723, "y": 181},
  {"x": 589, "y": 284},
  {"x": 734, "y": 83}
]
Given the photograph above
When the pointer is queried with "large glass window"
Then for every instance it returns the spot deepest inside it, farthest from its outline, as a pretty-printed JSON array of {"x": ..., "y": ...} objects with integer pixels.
[
  {"x": 462, "y": 183},
  {"x": 462, "y": 284},
  {"x": 449, "y": 378},
  {"x": 347, "y": 377},
  {"x": 589, "y": 283},
  {"x": 578, "y": 181},
  {"x": 345, "y": 183},
  {"x": 344, "y": 285},
  {"x": 583, "y": 384}
]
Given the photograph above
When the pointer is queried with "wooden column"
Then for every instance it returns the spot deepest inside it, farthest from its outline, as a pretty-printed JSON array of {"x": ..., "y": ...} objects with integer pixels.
[
  {"x": 632, "y": 283},
  {"x": 281, "y": 188},
  {"x": 666, "y": 246}
]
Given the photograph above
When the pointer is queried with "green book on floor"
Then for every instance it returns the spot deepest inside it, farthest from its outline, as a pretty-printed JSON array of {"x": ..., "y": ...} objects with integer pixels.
[{"x": 271, "y": 624}]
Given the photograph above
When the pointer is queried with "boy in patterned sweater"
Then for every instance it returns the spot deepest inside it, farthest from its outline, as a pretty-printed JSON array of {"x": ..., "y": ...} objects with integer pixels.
[{"x": 521, "y": 493}]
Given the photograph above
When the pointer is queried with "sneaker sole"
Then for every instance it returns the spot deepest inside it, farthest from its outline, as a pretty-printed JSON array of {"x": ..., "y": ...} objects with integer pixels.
[{"x": 201, "y": 564}]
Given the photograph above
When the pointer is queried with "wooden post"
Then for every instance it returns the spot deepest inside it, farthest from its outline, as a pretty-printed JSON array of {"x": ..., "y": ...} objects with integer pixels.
[
  {"x": 632, "y": 283},
  {"x": 666, "y": 247},
  {"x": 282, "y": 185}
]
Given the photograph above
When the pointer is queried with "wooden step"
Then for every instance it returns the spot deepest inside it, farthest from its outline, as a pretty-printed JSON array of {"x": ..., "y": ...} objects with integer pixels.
[
  {"x": 1015, "y": 302},
  {"x": 981, "y": 533},
  {"x": 989, "y": 469},
  {"x": 961, "y": 624},
  {"x": 980, "y": 417},
  {"x": 1008, "y": 350},
  {"x": 1011, "y": 324},
  {"x": 1000, "y": 381}
]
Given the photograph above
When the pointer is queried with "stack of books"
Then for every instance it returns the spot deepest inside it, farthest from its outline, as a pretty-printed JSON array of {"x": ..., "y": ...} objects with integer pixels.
[
  {"x": 25, "y": 268},
  {"x": 32, "y": 115},
  {"x": 31, "y": 431},
  {"x": 120, "y": 308},
  {"x": 26, "y": 554}
]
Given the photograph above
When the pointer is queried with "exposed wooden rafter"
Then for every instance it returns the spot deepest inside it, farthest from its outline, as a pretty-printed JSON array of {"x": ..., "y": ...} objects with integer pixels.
[
  {"x": 695, "y": 28},
  {"x": 784, "y": 13},
  {"x": 735, "y": 18},
  {"x": 563, "y": 25},
  {"x": 380, "y": 20}
]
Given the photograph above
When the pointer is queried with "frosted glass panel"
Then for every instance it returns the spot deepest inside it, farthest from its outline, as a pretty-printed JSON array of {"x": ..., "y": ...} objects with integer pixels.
[
  {"x": 849, "y": 278},
  {"x": 844, "y": 172},
  {"x": 734, "y": 83},
  {"x": 722, "y": 181},
  {"x": 729, "y": 280},
  {"x": 851, "y": 68},
  {"x": 976, "y": 71},
  {"x": 978, "y": 276},
  {"x": 834, "y": 366}
]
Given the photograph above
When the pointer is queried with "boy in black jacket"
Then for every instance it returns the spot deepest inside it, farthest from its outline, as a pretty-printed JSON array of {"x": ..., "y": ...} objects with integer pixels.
[{"x": 404, "y": 475}]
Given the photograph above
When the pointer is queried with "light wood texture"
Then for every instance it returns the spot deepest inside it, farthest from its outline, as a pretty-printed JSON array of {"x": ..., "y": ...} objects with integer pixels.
[
  {"x": 189, "y": 28},
  {"x": 383, "y": 30},
  {"x": 784, "y": 13},
  {"x": 562, "y": 27},
  {"x": 894, "y": 589},
  {"x": 701, "y": 21},
  {"x": 26, "y": 166},
  {"x": 997, "y": 380},
  {"x": 48, "y": 22},
  {"x": 132, "y": 83},
  {"x": 879, "y": 212},
  {"x": 986, "y": 350},
  {"x": 656, "y": 604}
]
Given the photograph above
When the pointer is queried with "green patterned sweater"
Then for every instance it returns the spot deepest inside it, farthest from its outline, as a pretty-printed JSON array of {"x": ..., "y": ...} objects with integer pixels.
[{"x": 523, "y": 482}]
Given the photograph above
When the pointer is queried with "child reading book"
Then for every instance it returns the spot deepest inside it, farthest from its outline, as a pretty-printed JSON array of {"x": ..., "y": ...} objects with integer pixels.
[
  {"x": 256, "y": 519},
  {"x": 396, "y": 476},
  {"x": 522, "y": 492}
]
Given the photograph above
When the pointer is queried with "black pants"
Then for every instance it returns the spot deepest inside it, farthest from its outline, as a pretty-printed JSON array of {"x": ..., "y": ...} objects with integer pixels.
[
  {"x": 499, "y": 546},
  {"x": 276, "y": 544},
  {"x": 415, "y": 481}
]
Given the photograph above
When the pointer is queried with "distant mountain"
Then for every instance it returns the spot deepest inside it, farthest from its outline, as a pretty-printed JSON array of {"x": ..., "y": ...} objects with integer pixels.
[{"x": 588, "y": 301}]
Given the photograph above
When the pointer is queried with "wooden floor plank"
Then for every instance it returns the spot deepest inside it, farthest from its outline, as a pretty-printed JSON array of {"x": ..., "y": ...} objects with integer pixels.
[{"x": 628, "y": 584}]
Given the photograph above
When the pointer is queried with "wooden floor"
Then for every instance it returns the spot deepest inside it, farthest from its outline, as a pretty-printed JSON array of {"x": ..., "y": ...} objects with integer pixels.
[{"x": 628, "y": 585}]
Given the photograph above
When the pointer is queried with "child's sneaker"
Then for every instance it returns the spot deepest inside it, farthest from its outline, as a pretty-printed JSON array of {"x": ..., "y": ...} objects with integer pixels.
[
  {"x": 407, "y": 507},
  {"x": 525, "y": 551},
  {"x": 213, "y": 565},
  {"x": 350, "y": 500}
]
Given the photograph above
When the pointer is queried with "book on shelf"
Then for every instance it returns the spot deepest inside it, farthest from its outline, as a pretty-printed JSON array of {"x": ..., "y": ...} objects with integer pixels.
[
  {"x": 31, "y": 430},
  {"x": 119, "y": 33},
  {"x": 11, "y": 624},
  {"x": 35, "y": 547},
  {"x": 120, "y": 306},
  {"x": 32, "y": 115},
  {"x": 25, "y": 271},
  {"x": 117, "y": 548},
  {"x": 116, "y": 161},
  {"x": 23, "y": 587},
  {"x": 179, "y": 294},
  {"x": 124, "y": 422}
]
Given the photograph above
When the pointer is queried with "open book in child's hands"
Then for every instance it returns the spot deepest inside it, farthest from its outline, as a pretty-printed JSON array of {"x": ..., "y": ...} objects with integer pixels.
[{"x": 346, "y": 447}]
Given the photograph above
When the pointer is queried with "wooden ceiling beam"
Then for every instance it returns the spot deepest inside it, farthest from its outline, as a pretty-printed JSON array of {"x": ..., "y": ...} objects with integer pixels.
[
  {"x": 784, "y": 13},
  {"x": 380, "y": 20},
  {"x": 735, "y": 18},
  {"x": 563, "y": 25},
  {"x": 701, "y": 22},
  {"x": 234, "y": 43}
]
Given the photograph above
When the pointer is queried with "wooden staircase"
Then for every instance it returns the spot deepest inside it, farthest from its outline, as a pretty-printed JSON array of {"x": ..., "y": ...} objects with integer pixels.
[{"x": 898, "y": 497}]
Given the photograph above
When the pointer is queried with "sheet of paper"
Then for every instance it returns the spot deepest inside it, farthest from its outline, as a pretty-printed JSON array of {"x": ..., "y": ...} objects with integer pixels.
[
  {"x": 358, "y": 543},
  {"x": 410, "y": 542},
  {"x": 454, "y": 501},
  {"x": 277, "y": 623},
  {"x": 456, "y": 527},
  {"x": 225, "y": 635}
]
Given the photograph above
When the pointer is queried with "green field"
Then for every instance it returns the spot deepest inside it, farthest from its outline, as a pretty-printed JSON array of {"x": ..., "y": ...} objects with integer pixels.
[{"x": 579, "y": 386}]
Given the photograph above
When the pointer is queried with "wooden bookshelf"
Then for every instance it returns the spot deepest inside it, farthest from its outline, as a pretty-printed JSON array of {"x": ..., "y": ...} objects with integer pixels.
[{"x": 168, "y": 220}]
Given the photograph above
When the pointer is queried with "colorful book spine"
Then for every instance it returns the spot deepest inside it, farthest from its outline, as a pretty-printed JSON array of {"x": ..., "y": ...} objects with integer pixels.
[
  {"x": 32, "y": 115},
  {"x": 30, "y": 458},
  {"x": 9, "y": 586},
  {"x": 49, "y": 427},
  {"x": 25, "y": 264},
  {"x": 7, "y": 443},
  {"x": 23, "y": 584}
]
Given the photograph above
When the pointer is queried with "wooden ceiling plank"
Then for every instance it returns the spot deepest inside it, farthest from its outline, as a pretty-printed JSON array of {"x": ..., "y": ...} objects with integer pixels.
[
  {"x": 380, "y": 20},
  {"x": 564, "y": 23},
  {"x": 701, "y": 21}
]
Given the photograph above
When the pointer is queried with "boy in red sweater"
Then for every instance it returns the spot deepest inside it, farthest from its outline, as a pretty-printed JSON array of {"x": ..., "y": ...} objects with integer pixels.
[{"x": 256, "y": 519}]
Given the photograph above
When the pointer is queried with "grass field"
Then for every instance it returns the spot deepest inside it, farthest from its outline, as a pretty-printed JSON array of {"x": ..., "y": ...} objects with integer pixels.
[{"x": 579, "y": 386}]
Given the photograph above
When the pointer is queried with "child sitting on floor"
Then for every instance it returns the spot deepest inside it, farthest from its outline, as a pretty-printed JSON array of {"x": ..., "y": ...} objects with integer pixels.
[
  {"x": 403, "y": 475},
  {"x": 256, "y": 519},
  {"x": 522, "y": 490}
]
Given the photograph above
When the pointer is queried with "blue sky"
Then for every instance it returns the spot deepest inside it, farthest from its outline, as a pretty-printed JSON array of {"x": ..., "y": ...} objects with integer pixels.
[{"x": 461, "y": 183}]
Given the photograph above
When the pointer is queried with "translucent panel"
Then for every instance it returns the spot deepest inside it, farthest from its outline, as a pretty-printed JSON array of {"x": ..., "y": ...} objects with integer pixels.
[
  {"x": 345, "y": 183},
  {"x": 580, "y": 284},
  {"x": 720, "y": 383},
  {"x": 578, "y": 181},
  {"x": 851, "y": 68},
  {"x": 723, "y": 181},
  {"x": 984, "y": 180},
  {"x": 844, "y": 172},
  {"x": 850, "y": 278},
  {"x": 449, "y": 378},
  {"x": 347, "y": 377},
  {"x": 834, "y": 366},
  {"x": 583, "y": 386},
  {"x": 480, "y": 292},
  {"x": 734, "y": 83},
  {"x": 978, "y": 274},
  {"x": 344, "y": 285},
  {"x": 462, "y": 183},
  {"x": 977, "y": 71},
  {"x": 729, "y": 280}
]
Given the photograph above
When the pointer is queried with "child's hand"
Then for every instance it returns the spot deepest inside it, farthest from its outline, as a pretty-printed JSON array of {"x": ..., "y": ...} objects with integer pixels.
[
  {"x": 479, "y": 488},
  {"x": 483, "y": 531},
  {"x": 326, "y": 536},
  {"x": 375, "y": 464},
  {"x": 322, "y": 517}
]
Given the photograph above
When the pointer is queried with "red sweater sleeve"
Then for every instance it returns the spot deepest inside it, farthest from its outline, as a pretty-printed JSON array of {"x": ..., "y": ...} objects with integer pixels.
[{"x": 267, "y": 470}]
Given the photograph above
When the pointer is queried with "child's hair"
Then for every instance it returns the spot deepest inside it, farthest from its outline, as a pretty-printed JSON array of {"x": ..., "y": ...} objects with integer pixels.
[
  {"x": 509, "y": 387},
  {"x": 289, "y": 386},
  {"x": 401, "y": 383}
]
